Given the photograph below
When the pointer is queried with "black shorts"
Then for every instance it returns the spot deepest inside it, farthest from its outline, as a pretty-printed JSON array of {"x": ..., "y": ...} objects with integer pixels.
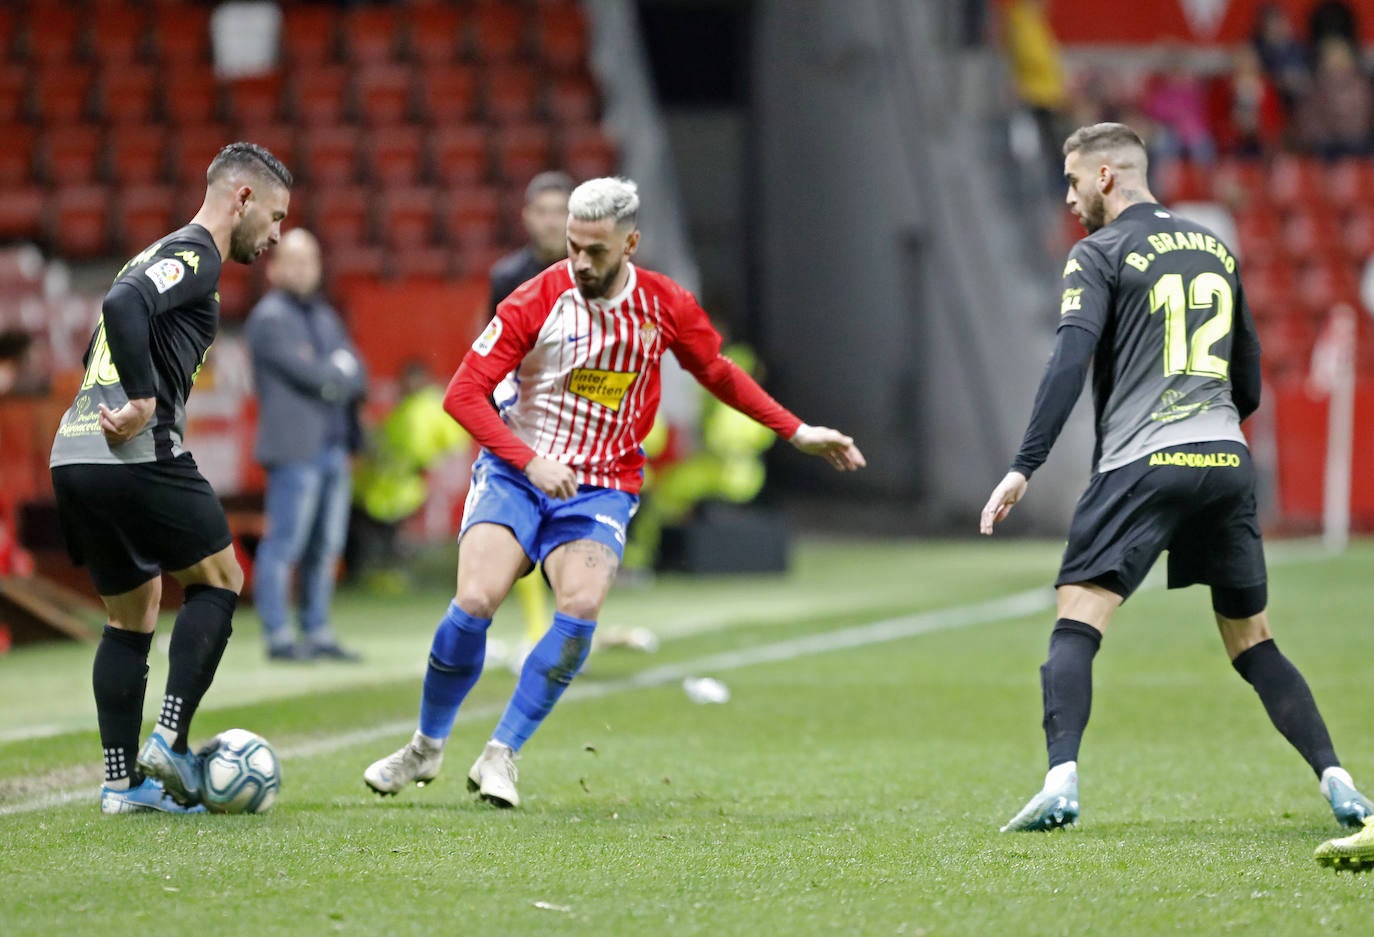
[
  {"x": 1196, "y": 500},
  {"x": 129, "y": 522}
]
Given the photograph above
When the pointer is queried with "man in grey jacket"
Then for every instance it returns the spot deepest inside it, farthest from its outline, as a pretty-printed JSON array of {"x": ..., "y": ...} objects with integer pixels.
[{"x": 309, "y": 380}]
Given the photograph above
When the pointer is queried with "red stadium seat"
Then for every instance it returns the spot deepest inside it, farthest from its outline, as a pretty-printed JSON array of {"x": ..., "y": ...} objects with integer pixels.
[
  {"x": 560, "y": 31},
  {"x": 447, "y": 94},
  {"x": 421, "y": 263},
  {"x": 471, "y": 215},
  {"x": 1349, "y": 185},
  {"x": 14, "y": 93},
  {"x": 320, "y": 95},
  {"x": 341, "y": 216},
  {"x": 383, "y": 94},
  {"x": 22, "y": 212},
  {"x": 9, "y": 32},
  {"x": 496, "y": 32},
  {"x": 476, "y": 260},
  {"x": 1324, "y": 284},
  {"x": 587, "y": 152},
  {"x": 458, "y": 155},
  {"x": 511, "y": 93},
  {"x": 406, "y": 218},
  {"x": 522, "y": 151},
  {"x": 119, "y": 34},
  {"x": 182, "y": 33},
  {"x": 1239, "y": 183},
  {"x": 1308, "y": 233},
  {"x": 71, "y": 155},
  {"x": 54, "y": 33},
  {"x": 1259, "y": 234},
  {"x": 1270, "y": 290},
  {"x": 329, "y": 155},
  {"x": 127, "y": 94},
  {"x": 309, "y": 34},
  {"x": 433, "y": 33},
  {"x": 16, "y": 156},
  {"x": 192, "y": 150},
  {"x": 278, "y": 138},
  {"x": 137, "y": 154},
  {"x": 1294, "y": 180},
  {"x": 1357, "y": 235},
  {"x": 395, "y": 157},
  {"x": 239, "y": 288},
  {"x": 142, "y": 215},
  {"x": 346, "y": 265},
  {"x": 256, "y": 100},
  {"x": 572, "y": 98},
  {"x": 62, "y": 94},
  {"x": 369, "y": 35},
  {"x": 78, "y": 221},
  {"x": 190, "y": 94}
]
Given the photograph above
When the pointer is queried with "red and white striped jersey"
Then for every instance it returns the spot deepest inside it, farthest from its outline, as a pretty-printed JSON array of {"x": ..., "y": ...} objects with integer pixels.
[{"x": 585, "y": 374}]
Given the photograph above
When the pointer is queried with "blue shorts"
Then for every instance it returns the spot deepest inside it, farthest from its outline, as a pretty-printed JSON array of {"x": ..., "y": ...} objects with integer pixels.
[{"x": 501, "y": 494}]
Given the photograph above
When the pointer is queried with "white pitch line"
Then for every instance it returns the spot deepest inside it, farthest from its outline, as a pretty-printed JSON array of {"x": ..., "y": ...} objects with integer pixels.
[{"x": 1017, "y": 605}]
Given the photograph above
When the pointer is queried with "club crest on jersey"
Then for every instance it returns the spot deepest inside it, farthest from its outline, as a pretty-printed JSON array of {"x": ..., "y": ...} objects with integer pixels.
[
  {"x": 648, "y": 334},
  {"x": 487, "y": 340},
  {"x": 166, "y": 273},
  {"x": 604, "y": 387}
]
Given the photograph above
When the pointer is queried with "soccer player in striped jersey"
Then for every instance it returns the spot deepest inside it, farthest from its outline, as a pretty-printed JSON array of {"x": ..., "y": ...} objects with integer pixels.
[{"x": 577, "y": 352}]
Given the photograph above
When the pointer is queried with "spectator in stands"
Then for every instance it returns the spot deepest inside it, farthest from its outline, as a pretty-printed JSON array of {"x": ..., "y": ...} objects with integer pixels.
[
  {"x": 309, "y": 380},
  {"x": 1333, "y": 19},
  {"x": 1038, "y": 73},
  {"x": 1247, "y": 114},
  {"x": 1175, "y": 100},
  {"x": 391, "y": 483},
  {"x": 1281, "y": 55},
  {"x": 1336, "y": 118}
]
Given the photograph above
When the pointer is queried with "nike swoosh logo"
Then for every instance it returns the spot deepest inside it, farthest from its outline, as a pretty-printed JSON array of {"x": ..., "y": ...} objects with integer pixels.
[{"x": 578, "y": 338}]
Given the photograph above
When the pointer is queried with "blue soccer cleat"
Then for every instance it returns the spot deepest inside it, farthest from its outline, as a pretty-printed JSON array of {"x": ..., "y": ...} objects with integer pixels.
[
  {"x": 148, "y": 797},
  {"x": 1050, "y": 809},
  {"x": 1349, "y": 805},
  {"x": 181, "y": 773}
]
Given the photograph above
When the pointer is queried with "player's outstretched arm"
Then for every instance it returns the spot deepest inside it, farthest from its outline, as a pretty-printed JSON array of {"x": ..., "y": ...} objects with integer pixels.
[
  {"x": 830, "y": 444},
  {"x": 1011, "y": 489}
]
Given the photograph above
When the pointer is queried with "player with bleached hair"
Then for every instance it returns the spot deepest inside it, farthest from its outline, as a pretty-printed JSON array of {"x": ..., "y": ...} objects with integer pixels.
[{"x": 561, "y": 466}]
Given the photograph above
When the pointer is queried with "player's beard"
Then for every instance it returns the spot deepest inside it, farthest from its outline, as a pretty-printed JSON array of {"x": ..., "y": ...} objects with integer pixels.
[
  {"x": 242, "y": 246},
  {"x": 1093, "y": 216},
  {"x": 599, "y": 289}
]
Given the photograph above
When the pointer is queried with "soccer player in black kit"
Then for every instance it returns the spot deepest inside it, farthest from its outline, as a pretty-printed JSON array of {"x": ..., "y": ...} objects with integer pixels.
[
  {"x": 130, "y": 499},
  {"x": 1154, "y": 303}
]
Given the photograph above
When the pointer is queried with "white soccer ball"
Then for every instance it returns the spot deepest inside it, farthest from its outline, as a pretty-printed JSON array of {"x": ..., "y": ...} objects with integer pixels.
[{"x": 242, "y": 773}]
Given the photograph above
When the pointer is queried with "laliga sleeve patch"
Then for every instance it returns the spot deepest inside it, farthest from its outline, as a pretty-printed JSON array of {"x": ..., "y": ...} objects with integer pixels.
[
  {"x": 166, "y": 273},
  {"x": 487, "y": 340}
]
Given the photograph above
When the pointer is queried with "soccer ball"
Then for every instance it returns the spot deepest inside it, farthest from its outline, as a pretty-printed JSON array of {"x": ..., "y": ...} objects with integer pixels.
[{"x": 242, "y": 773}]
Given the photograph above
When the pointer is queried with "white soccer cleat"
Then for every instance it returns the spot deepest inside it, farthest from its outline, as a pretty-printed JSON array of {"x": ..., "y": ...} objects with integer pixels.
[
  {"x": 493, "y": 776},
  {"x": 413, "y": 764}
]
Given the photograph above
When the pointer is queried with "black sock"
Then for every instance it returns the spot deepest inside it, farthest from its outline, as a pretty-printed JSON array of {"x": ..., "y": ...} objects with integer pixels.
[
  {"x": 1289, "y": 703},
  {"x": 1066, "y": 682},
  {"x": 119, "y": 678},
  {"x": 202, "y": 630}
]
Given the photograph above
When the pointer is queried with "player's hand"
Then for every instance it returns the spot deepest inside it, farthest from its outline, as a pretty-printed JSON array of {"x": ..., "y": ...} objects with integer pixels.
[
  {"x": 1011, "y": 489},
  {"x": 830, "y": 444},
  {"x": 553, "y": 478},
  {"x": 119, "y": 426}
]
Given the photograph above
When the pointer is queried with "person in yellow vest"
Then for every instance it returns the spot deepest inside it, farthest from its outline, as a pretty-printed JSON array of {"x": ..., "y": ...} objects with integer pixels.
[
  {"x": 390, "y": 481},
  {"x": 727, "y": 467}
]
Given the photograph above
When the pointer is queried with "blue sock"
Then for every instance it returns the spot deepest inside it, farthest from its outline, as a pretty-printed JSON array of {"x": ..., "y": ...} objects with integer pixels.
[
  {"x": 455, "y": 663},
  {"x": 552, "y": 664}
]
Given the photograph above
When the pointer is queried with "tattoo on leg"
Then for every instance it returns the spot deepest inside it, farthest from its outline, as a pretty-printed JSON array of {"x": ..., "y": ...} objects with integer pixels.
[{"x": 596, "y": 555}]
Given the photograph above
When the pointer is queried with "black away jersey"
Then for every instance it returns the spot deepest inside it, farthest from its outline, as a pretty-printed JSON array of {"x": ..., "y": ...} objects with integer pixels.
[
  {"x": 1162, "y": 295},
  {"x": 178, "y": 280}
]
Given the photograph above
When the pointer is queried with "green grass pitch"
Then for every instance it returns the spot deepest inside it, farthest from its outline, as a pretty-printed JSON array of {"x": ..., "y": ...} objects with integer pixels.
[{"x": 884, "y": 722}]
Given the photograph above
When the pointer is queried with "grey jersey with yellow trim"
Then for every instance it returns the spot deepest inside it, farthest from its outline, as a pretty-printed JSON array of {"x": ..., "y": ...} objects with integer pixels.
[
  {"x": 178, "y": 279},
  {"x": 1163, "y": 296}
]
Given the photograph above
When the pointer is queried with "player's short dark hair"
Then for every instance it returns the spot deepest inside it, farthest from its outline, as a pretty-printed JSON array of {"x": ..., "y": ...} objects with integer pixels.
[
  {"x": 551, "y": 181},
  {"x": 251, "y": 157},
  {"x": 1095, "y": 138}
]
